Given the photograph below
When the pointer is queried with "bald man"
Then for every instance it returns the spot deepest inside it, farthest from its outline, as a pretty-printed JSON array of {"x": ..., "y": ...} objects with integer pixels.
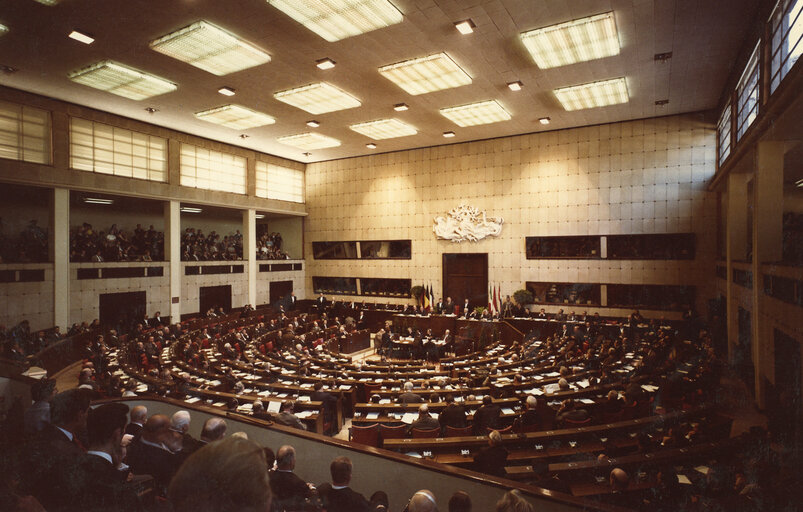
[
  {"x": 150, "y": 455},
  {"x": 422, "y": 501}
]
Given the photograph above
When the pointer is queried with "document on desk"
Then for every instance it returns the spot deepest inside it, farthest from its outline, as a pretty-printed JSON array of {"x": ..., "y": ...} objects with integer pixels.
[
  {"x": 192, "y": 400},
  {"x": 535, "y": 391},
  {"x": 587, "y": 401},
  {"x": 649, "y": 388},
  {"x": 508, "y": 410},
  {"x": 303, "y": 398},
  {"x": 274, "y": 406},
  {"x": 372, "y": 416},
  {"x": 384, "y": 401},
  {"x": 409, "y": 418},
  {"x": 683, "y": 479},
  {"x": 583, "y": 383},
  {"x": 305, "y": 414},
  {"x": 552, "y": 374}
]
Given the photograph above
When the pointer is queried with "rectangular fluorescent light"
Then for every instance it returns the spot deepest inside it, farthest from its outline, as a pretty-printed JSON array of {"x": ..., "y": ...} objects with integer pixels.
[
  {"x": 121, "y": 80},
  {"x": 318, "y": 98},
  {"x": 594, "y": 94},
  {"x": 426, "y": 74},
  {"x": 336, "y": 20},
  {"x": 448, "y": 135},
  {"x": 313, "y": 123},
  {"x": 259, "y": 216},
  {"x": 579, "y": 40},
  {"x": 210, "y": 48},
  {"x": 226, "y": 91},
  {"x": 81, "y": 37},
  {"x": 235, "y": 116},
  {"x": 544, "y": 120},
  {"x": 326, "y": 63},
  {"x": 514, "y": 86},
  {"x": 309, "y": 140},
  {"x": 484, "y": 112},
  {"x": 190, "y": 209},
  {"x": 384, "y": 129},
  {"x": 98, "y": 200},
  {"x": 370, "y": 145},
  {"x": 400, "y": 107},
  {"x": 48, "y": 2},
  {"x": 465, "y": 27}
]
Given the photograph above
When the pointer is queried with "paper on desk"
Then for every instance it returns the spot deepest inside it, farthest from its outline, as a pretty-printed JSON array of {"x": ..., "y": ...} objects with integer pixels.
[
  {"x": 586, "y": 401},
  {"x": 552, "y": 374},
  {"x": 304, "y": 414},
  {"x": 384, "y": 401},
  {"x": 192, "y": 400},
  {"x": 218, "y": 404},
  {"x": 264, "y": 393},
  {"x": 508, "y": 410},
  {"x": 702, "y": 469},
  {"x": 649, "y": 388},
  {"x": 142, "y": 388},
  {"x": 372, "y": 415},
  {"x": 274, "y": 406},
  {"x": 409, "y": 418},
  {"x": 683, "y": 480},
  {"x": 304, "y": 398},
  {"x": 344, "y": 387},
  {"x": 535, "y": 391},
  {"x": 583, "y": 383}
]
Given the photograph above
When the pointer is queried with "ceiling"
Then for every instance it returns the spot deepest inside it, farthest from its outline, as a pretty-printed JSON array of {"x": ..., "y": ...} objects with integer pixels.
[{"x": 704, "y": 37}]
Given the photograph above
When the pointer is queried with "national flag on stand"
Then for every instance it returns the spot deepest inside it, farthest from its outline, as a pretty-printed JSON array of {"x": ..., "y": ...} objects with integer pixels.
[
  {"x": 431, "y": 296},
  {"x": 425, "y": 301},
  {"x": 491, "y": 297},
  {"x": 498, "y": 300}
]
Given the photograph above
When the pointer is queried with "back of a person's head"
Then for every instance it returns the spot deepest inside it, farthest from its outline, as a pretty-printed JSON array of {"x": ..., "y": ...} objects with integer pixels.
[
  {"x": 139, "y": 413},
  {"x": 229, "y": 476},
  {"x": 340, "y": 469},
  {"x": 531, "y": 402},
  {"x": 460, "y": 502},
  {"x": 180, "y": 420},
  {"x": 42, "y": 390},
  {"x": 68, "y": 404},
  {"x": 103, "y": 420},
  {"x": 154, "y": 427},
  {"x": 408, "y": 386},
  {"x": 495, "y": 438},
  {"x": 512, "y": 501},
  {"x": 214, "y": 429},
  {"x": 285, "y": 457},
  {"x": 422, "y": 501},
  {"x": 487, "y": 400}
]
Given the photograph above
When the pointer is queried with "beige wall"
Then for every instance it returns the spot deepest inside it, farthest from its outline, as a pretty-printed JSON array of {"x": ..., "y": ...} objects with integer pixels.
[{"x": 644, "y": 176}]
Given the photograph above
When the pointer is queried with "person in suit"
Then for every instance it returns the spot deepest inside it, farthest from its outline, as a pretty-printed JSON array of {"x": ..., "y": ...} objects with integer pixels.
[
  {"x": 258, "y": 411},
  {"x": 138, "y": 415},
  {"x": 487, "y": 416},
  {"x": 328, "y": 400},
  {"x": 37, "y": 416},
  {"x": 491, "y": 460},
  {"x": 529, "y": 418},
  {"x": 55, "y": 448},
  {"x": 466, "y": 311},
  {"x": 291, "y": 301},
  {"x": 150, "y": 455},
  {"x": 439, "y": 307},
  {"x": 180, "y": 426},
  {"x": 454, "y": 415},
  {"x": 287, "y": 418},
  {"x": 289, "y": 490},
  {"x": 93, "y": 482},
  {"x": 425, "y": 421},
  {"x": 214, "y": 429},
  {"x": 448, "y": 306},
  {"x": 422, "y": 501},
  {"x": 321, "y": 302},
  {"x": 408, "y": 397},
  {"x": 338, "y": 496},
  {"x": 229, "y": 476}
]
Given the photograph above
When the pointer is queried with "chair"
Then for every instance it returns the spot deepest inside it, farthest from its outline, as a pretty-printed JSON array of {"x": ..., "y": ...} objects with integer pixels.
[
  {"x": 506, "y": 430},
  {"x": 429, "y": 433},
  {"x": 532, "y": 427},
  {"x": 457, "y": 431},
  {"x": 369, "y": 390},
  {"x": 367, "y": 435},
  {"x": 574, "y": 424},
  {"x": 397, "y": 432}
]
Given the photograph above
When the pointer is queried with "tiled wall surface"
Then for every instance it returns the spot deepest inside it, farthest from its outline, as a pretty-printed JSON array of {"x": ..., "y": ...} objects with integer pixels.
[
  {"x": 27, "y": 301},
  {"x": 645, "y": 176}
]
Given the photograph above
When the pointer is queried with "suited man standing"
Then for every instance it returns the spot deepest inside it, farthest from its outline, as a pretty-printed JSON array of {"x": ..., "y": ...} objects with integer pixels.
[
  {"x": 321, "y": 302},
  {"x": 487, "y": 416},
  {"x": 338, "y": 496},
  {"x": 93, "y": 482},
  {"x": 290, "y": 302},
  {"x": 439, "y": 307}
]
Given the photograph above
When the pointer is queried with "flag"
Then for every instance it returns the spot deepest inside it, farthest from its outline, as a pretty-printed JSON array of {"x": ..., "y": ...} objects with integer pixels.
[
  {"x": 498, "y": 300},
  {"x": 431, "y": 295},
  {"x": 425, "y": 299},
  {"x": 490, "y": 297}
]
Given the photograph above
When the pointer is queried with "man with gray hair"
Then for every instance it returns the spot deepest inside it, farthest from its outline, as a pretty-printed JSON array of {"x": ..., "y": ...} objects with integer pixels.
[
  {"x": 528, "y": 421},
  {"x": 425, "y": 421},
  {"x": 289, "y": 490},
  {"x": 138, "y": 415},
  {"x": 408, "y": 397},
  {"x": 214, "y": 430},
  {"x": 180, "y": 426},
  {"x": 422, "y": 501}
]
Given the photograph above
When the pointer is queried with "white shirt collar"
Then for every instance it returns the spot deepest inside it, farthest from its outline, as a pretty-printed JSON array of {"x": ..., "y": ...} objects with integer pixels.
[
  {"x": 337, "y": 487},
  {"x": 160, "y": 445},
  {"x": 66, "y": 433},
  {"x": 102, "y": 455}
]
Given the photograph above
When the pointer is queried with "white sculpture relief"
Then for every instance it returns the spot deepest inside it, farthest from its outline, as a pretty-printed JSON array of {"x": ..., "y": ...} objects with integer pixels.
[{"x": 466, "y": 223}]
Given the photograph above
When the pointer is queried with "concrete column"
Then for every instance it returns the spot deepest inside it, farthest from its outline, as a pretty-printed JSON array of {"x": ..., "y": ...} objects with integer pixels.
[
  {"x": 172, "y": 216},
  {"x": 60, "y": 252},
  {"x": 736, "y": 246},
  {"x": 250, "y": 253},
  {"x": 767, "y": 247}
]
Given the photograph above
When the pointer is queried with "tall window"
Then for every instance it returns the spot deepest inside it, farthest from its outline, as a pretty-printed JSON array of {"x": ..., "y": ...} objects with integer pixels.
[
  {"x": 786, "y": 24},
  {"x": 212, "y": 170},
  {"x": 747, "y": 95},
  {"x": 724, "y": 133},
  {"x": 24, "y": 133},
  {"x": 275, "y": 182},
  {"x": 105, "y": 149}
]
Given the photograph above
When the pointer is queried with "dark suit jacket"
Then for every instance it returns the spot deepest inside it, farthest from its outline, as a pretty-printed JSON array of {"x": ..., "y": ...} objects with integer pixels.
[
  {"x": 486, "y": 416},
  {"x": 161, "y": 464},
  {"x": 453, "y": 416},
  {"x": 342, "y": 500},
  {"x": 134, "y": 430},
  {"x": 329, "y": 404},
  {"x": 425, "y": 423},
  {"x": 44, "y": 461},
  {"x": 93, "y": 484},
  {"x": 491, "y": 460},
  {"x": 286, "y": 486},
  {"x": 410, "y": 398}
]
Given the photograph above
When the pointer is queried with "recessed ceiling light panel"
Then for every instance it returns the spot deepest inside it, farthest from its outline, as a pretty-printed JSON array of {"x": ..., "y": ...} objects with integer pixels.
[
  {"x": 81, "y": 37},
  {"x": 580, "y": 40},
  {"x": 318, "y": 98},
  {"x": 384, "y": 129},
  {"x": 484, "y": 112},
  {"x": 48, "y": 2},
  {"x": 313, "y": 123},
  {"x": 544, "y": 120},
  {"x": 235, "y": 117},
  {"x": 594, "y": 94},
  {"x": 334, "y": 20},
  {"x": 326, "y": 63},
  {"x": 370, "y": 145},
  {"x": 309, "y": 140},
  {"x": 448, "y": 135},
  {"x": 465, "y": 27},
  {"x": 426, "y": 74},
  {"x": 210, "y": 48},
  {"x": 515, "y": 86},
  {"x": 400, "y": 107},
  {"x": 226, "y": 91},
  {"x": 121, "y": 80}
]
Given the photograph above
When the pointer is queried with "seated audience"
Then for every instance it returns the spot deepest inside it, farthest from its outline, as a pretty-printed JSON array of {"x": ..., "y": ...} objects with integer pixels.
[
  {"x": 289, "y": 491},
  {"x": 486, "y": 417},
  {"x": 408, "y": 397},
  {"x": 338, "y": 496},
  {"x": 138, "y": 415},
  {"x": 287, "y": 418},
  {"x": 151, "y": 454},
  {"x": 454, "y": 415},
  {"x": 491, "y": 460},
  {"x": 425, "y": 421}
]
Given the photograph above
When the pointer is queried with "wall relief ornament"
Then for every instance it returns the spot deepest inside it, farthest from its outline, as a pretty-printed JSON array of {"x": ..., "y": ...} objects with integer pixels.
[{"x": 466, "y": 223}]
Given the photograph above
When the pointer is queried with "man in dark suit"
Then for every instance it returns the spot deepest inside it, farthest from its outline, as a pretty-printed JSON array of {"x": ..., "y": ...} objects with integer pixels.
[
  {"x": 321, "y": 302},
  {"x": 55, "y": 448},
  {"x": 180, "y": 426},
  {"x": 529, "y": 418},
  {"x": 150, "y": 455},
  {"x": 139, "y": 414},
  {"x": 454, "y": 415},
  {"x": 287, "y": 418},
  {"x": 425, "y": 421},
  {"x": 93, "y": 482},
  {"x": 408, "y": 397},
  {"x": 338, "y": 496},
  {"x": 487, "y": 416},
  {"x": 492, "y": 459},
  {"x": 328, "y": 400},
  {"x": 289, "y": 490},
  {"x": 439, "y": 307}
]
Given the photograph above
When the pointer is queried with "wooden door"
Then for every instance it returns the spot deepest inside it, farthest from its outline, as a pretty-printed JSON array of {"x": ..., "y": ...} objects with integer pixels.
[{"x": 465, "y": 276}]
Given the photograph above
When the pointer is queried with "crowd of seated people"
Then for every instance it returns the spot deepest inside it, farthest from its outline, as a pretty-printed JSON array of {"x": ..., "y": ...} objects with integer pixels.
[
  {"x": 196, "y": 246},
  {"x": 29, "y": 246},
  {"x": 89, "y": 244},
  {"x": 269, "y": 246}
]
